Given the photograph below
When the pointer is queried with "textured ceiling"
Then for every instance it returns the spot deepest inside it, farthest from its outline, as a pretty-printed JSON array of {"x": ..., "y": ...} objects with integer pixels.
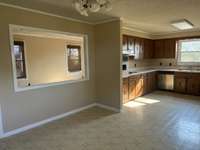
[{"x": 151, "y": 16}]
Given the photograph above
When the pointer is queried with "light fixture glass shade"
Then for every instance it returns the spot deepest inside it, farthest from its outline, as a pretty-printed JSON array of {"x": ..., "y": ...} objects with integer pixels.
[
  {"x": 86, "y": 6},
  {"x": 94, "y": 7},
  {"x": 84, "y": 12},
  {"x": 101, "y": 1},
  {"x": 78, "y": 6},
  {"x": 107, "y": 6}
]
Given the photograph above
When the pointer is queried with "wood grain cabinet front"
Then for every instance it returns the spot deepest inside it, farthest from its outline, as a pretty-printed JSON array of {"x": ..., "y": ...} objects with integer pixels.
[
  {"x": 132, "y": 88},
  {"x": 139, "y": 85},
  {"x": 125, "y": 90},
  {"x": 193, "y": 86},
  {"x": 180, "y": 85}
]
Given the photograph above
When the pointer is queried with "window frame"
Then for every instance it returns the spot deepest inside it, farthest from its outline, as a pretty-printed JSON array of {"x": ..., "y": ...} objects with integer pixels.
[
  {"x": 79, "y": 49},
  {"x": 181, "y": 63},
  {"x": 21, "y": 44},
  {"x": 14, "y": 29}
]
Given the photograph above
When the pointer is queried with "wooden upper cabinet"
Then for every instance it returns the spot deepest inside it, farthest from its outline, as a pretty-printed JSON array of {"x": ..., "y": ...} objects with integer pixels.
[
  {"x": 131, "y": 44},
  {"x": 125, "y": 90},
  {"x": 139, "y": 48},
  {"x": 125, "y": 42},
  {"x": 148, "y": 48},
  {"x": 159, "y": 49},
  {"x": 169, "y": 48},
  {"x": 165, "y": 48}
]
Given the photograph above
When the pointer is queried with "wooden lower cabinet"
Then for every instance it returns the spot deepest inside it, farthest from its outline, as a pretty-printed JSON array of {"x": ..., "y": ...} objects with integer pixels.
[
  {"x": 193, "y": 86},
  {"x": 180, "y": 85},
  {"x": 125, "y": 90},
  {"x": 187, "y": 83},
  {"x": 151, "y": 82},
  {"x": 132, "y": 87},
  {"x": 138, "y": 85}
]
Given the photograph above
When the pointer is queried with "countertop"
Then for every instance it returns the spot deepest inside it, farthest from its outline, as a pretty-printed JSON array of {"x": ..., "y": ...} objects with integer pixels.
[{"x": 138, "y": 72}]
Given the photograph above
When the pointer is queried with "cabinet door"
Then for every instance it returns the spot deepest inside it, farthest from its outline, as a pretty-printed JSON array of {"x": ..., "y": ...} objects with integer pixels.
[
  {"x": 148, "y": 48},
  {"x": 149, "y": 83},
  {"x": 193, "y": 86},
  {"x": 125, "y": 42},
  {"x": 131, "y": 44},
  {"x": 139, "y": 86},
  {"x": 180, "y": 84},
  {"x": 125, "y": 90},
  {"x": 159, "y": 49},
  {"x": 153, "y": 81},
  {"x": 139, "y": 48},
  {"x": 170, "y": 48},
  {"x": 145, "y": 84},
  {"x": 132, "y": 88}
]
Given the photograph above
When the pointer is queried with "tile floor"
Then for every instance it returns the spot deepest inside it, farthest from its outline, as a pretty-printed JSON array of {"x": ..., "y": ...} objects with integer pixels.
[{"x": 158, "y": 121}]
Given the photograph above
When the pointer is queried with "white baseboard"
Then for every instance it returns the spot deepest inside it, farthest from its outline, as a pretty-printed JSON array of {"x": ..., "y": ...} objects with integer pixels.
[
  {"x": 108, "y": 107},
  {"x": 31, "y": 126},
  {"x": 1, "y": 124},
  {"x": 37, "y": 124}
]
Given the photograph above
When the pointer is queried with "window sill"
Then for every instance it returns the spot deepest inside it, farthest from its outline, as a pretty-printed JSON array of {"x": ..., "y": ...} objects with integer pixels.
[
  {"x": 39, "y": 86},
  {"x": 188, "y": 63}
]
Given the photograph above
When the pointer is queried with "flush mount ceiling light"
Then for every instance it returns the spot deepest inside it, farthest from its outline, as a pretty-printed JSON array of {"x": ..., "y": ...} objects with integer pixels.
[
  {"x": 86, "y": 6},
  {"x": 183, "y": 24}
]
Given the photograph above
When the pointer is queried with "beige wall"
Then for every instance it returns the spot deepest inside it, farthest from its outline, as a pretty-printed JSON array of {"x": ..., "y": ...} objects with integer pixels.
[
  {"x": 108, "y": 64},
  {"x": 23, "y": 108},
  {"x": 46, "y": 59}
]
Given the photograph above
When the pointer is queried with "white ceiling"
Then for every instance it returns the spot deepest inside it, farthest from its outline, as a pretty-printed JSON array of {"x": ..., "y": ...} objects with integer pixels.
[{"x": 151, "y": 16}]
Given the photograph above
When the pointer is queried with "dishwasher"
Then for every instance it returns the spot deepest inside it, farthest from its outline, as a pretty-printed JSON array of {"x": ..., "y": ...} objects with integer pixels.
[{"x": 166, "y": 80}]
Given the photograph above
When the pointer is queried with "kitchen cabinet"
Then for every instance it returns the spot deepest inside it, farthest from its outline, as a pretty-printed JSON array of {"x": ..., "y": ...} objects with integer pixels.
[
  {"x": 148, "y": 48},
  {"x": 132, "y": 87},
  {"x": 139, "y": 86},
  {"x": 187, "y": 83},
  {"x": 165, "y": 48},
  {"x": 125, "y": 90},
  {"x": 180, "y": 84},
  {"x": 151, "y": 82},
  {"x": 169, "y": 48},
  {"x": 159, "y": 49},
  {"x": 193, "y": 86},
  {"x": 143, "y": 48},
  {"x": 139, "y": 48},
  {"x": 125, "y": 42}
]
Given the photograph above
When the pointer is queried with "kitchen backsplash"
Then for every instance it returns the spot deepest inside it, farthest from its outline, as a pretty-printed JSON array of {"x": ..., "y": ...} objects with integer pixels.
[
  {"x": 152, "y": 63},
  {"x": 134, "y": 64}
]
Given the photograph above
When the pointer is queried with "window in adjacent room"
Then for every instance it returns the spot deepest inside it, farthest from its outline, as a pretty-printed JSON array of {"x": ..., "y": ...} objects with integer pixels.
[
  {"x": 20, "y": 59},
  {"x": 189, "y": 51},
  {"x": 74, "y": 58},
  {"x": 53, "y": 57}
]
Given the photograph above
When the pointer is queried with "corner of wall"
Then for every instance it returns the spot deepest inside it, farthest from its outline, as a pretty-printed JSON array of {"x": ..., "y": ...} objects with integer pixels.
[
  {"x": 1, "y": 124},
  {"x": 107, "y": 63}
]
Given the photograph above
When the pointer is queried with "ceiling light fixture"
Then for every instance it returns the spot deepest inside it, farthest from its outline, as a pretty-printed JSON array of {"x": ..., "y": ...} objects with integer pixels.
[
  {"x": 183, "y": 24},
  {"x": 86, "y": 6}
]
